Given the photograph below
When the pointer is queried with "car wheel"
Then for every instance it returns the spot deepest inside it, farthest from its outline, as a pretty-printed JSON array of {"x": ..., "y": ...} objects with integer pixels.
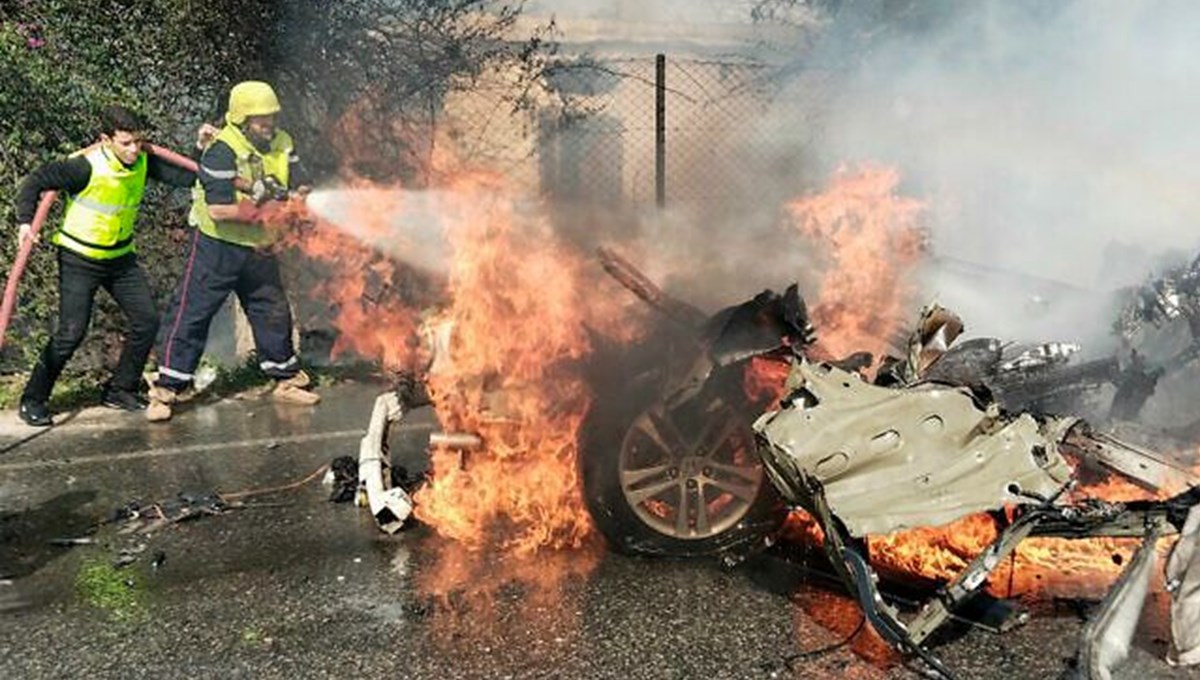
[{"x": 679, "y": 482}]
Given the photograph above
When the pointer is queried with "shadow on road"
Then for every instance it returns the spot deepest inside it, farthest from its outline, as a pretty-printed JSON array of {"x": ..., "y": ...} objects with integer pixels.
[{"x": 26, "y": 535}]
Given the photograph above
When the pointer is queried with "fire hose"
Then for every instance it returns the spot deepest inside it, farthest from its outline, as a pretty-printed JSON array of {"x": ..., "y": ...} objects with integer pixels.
[{"x": 43, "y": 210}]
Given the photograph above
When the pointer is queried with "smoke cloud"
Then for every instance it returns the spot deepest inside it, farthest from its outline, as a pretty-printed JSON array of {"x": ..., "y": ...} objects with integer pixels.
[{"x": 1052, "y": 143}]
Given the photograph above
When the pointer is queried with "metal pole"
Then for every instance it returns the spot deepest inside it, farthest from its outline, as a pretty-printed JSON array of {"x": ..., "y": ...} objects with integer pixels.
[{"x": 660, "y": 130}]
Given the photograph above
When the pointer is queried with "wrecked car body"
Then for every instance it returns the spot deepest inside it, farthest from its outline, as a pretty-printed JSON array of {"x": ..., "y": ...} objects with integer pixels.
[
  {"x": 866, "y": 460},
  {"x": 939, "y": 434}
]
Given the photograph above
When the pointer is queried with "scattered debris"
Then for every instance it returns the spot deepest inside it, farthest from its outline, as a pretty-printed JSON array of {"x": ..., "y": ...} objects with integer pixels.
[
  {"x": 72, "y": 541},
  {"x": 343, "y": 477},
  {"x": 184, "y": 507}
]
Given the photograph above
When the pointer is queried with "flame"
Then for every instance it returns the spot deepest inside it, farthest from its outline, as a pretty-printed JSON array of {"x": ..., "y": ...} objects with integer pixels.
[
  {"x": 801, "y": 527},
  {"x": 472, "y": 598},
  {"x": 373, "y": 298},
  {"x": 871, "y": 240},
  {"x": 518, "y": 305},
  {"x": 1040, "y": 565},
  {"x": 518, "y": 309},
  {"x": 763, "y": 380},
  {"x": 519, "y": 334}
]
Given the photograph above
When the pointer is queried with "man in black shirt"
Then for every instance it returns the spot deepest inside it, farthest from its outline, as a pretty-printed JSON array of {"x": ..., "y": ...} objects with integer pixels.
[{"x": 104, "y": 185}]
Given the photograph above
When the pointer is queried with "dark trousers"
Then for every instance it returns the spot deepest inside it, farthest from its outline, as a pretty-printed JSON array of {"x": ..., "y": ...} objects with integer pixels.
[
  {"x": 214, "y": 269},
  {"x": 78, "y": 279}
]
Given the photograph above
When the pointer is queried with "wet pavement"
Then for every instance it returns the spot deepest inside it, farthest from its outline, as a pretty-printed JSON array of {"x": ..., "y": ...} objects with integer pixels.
[{"x": 291, "y": 585}]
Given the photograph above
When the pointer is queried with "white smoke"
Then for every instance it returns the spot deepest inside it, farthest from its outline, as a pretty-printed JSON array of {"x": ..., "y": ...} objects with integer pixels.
[{"x": 1051, "y": 140}]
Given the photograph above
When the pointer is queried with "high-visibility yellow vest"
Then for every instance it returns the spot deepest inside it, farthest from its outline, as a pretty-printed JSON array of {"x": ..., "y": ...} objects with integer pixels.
[
  {"x": 252, "y": 165},
  {"x": 99, "y": 220}
]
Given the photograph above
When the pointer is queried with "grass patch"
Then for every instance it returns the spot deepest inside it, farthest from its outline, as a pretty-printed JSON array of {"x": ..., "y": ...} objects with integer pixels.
[
  {"x": 249, "y": 376},
  {"x": 117, "y": 592},
  {"x": 255, "y": 637},
  {"x": 71, "y": 391}
]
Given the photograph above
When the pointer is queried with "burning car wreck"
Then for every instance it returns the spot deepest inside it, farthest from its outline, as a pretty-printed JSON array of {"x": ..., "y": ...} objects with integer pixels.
[
  {"x": 704, "y": 462},
  {"x": 705, "y": 446}
]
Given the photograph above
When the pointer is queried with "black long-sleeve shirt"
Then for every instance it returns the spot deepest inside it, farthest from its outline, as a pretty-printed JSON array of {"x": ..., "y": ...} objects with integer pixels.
[{"x": 73, "y": 175}]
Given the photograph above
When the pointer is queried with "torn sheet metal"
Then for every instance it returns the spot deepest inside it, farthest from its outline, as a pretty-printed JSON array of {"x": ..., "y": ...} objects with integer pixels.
[
  {"x": 896, "y": 459},
  {"x": 1139, "y": 465},
  {"x": 1109, "y": 632},
  {"x": 1183, "y": 582}
]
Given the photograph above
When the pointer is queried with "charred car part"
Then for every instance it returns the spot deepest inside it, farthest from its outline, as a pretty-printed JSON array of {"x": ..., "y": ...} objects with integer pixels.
[
  {"x": 668, "y": 460},
  {"x": 390, "y": 505},
  {"x": 1039, "y": 378},
  {"x": 949, "y": 431},
  {"x": 380, "y": 488},
  {"x": 864, "y": 459},
  {"x": 1172, "y": 297},
  {"x": 667, "y": 455}
]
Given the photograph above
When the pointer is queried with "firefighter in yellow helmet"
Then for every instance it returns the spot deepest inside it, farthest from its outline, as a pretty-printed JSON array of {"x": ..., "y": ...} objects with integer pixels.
[
  {"x": 246, "y": 175},
  {"x": 95, "y": 242}
]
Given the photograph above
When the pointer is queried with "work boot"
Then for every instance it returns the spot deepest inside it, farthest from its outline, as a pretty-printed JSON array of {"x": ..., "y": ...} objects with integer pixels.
[
  {"x": 160, "y": 404},
  {"x": 35, "y": 413},
  {"x": 123, "y": 400},
  {"x": 291, "y": 390}
]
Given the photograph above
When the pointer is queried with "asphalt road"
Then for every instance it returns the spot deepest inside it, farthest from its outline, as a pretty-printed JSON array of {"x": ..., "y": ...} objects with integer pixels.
[{"x": 295, "y": 586}]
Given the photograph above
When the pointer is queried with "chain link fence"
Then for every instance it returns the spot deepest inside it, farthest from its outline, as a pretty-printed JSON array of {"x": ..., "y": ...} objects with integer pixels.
[{"x": 727, "y": 136}]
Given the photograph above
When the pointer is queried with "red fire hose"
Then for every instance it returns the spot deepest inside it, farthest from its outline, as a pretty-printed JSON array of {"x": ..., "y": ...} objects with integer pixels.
[{"x": 43, "y": 209}]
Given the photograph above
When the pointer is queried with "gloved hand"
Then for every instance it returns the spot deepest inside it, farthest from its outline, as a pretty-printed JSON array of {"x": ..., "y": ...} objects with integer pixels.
[
  {"x": 205, "y": 135},
  {"x": 247, "y": 211},
  {"x": 273, "y": 213},
  {"x": 268, "y": 189},
  {"x": 25, "y": 232}
]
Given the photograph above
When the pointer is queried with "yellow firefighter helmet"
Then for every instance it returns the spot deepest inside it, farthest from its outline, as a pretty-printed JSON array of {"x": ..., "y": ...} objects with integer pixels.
[{"x": 251, "y": 98}]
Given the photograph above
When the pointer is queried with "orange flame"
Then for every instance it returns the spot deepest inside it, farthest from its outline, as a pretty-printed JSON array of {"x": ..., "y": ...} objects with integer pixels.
[
  {"x": 518, "y": 336},
  {"x": 373, "y": 300},
  {"x": 870, "y": 238},
  {"x": 763, "y": 380},
  {"x": 519, "y": 313},
  {"x": 1059, "y": 565}
]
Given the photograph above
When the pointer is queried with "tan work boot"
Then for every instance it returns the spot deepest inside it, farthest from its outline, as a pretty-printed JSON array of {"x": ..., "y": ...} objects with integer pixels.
[
  {"x": 292, "y": 390},
  {"x": 159, "y": 408}
]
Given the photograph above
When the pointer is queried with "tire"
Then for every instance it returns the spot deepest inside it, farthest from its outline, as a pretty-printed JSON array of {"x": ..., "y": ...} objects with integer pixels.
[{"x": 645, "y": 469}]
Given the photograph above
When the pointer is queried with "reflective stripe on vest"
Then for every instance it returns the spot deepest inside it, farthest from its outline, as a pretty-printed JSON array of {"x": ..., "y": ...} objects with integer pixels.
[
  {"x": 99, "y": 220},
  {"x": 252, "y": 165}
]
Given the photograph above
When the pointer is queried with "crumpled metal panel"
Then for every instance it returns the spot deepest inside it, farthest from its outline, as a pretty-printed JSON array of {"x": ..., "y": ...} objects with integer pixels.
[
  {"x": 1183, "y": 581},
  {"x": 1107, "y": 636},
  {"x": 897, "y": 459}
]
